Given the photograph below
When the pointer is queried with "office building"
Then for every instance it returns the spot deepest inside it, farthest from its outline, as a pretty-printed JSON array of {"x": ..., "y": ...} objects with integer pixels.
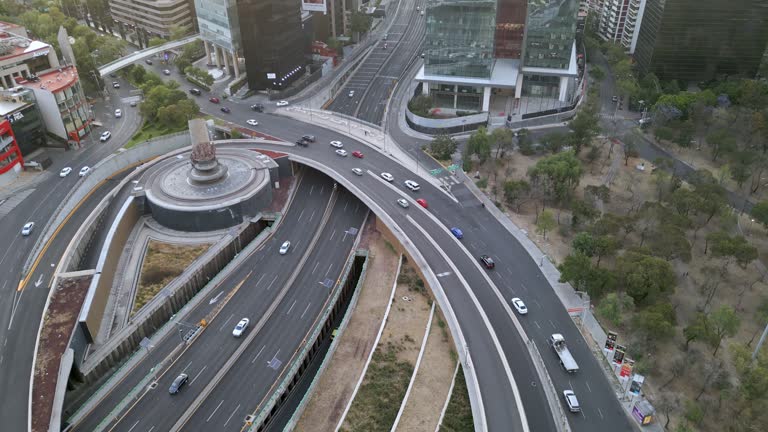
[
  {"x": 220, "y": 30},
  {"x": 619, "y": 21},
  {"x": 474, "y": 49},
  {"x": 19, "y": 107},
  {"x": 697, "y": 40},
  {"x": 11, "y": 161},
  {"x": 274, "y": 45},
  {"x": 21, "y": 57},
  {"x": 155, "y": 17}
]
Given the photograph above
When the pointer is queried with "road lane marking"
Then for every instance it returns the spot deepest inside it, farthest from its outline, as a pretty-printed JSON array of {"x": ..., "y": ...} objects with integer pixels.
[
  {"x": 332, "y": 234},
  {"x": 553, "y": 324},
  {"x": 258, "y": 354},
  {"x": 259, "y": 281},
  {"x": 600, "y": 412},
  {"x": 443, "y": 274},
  {"x": 187, "y": 366},
  {"x": 329, "y": 269},
  {"x": 225, "y": 322},
  {"x": 231, "y": 415},
  {"x": 312, "y": 216},
  {"x": 134, "y": 425},
  {"x": 151, "y": 429},
  {"x": 305, "y": 311},
  {"x": 198, "y": 374},
  {"x": 345, "y": 205},
  {"x": 522, "y": 285},
  {"x": 301, "y": 214},
  {"x": 538, "y": 304},
  {"x": 537, "y": 324},
  {"x": 314, "y": 269},
  {"x": 270, "y": 284},
  {"x": 588, "y": 387},
  {"x": 311, "y": 189},
  {"x": 291, "y": 308},
  {"x": 214, "y": 411}
]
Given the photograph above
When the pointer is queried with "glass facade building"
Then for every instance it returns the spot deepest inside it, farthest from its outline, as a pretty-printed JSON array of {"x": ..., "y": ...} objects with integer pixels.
[
  {"x": 550, "y": 33},
  {"x": 218, "y": 23},
  {"x": 274, "y": 45},
  {"x": 700, "y": 39},
  {"x": 510, "y": 28},
  {"x": 459, "y": 39}
]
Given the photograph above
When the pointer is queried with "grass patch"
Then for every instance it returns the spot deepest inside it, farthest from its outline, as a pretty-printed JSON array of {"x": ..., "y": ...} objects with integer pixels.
[
  {"x": 162, "y": 263},
  {"x": 151, "y": 130},
  {"x": 408, "y": 276},
  {"x": 376, "y": 404},
  {"x": 458, "y": 415}
]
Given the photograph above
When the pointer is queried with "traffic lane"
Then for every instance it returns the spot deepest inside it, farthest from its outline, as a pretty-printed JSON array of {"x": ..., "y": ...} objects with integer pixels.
[
  {"x": 264, "y": 363},
  {"x": 517, "y": 275},
  {"x": 20, "y": 334},
  {"x": 254, "y": 297},
  {"x": 312, "y": 193},
  {"x": 372, "y": 111}
]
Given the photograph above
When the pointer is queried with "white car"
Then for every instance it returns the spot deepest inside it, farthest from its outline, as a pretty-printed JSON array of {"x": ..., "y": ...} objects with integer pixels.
[
  {"x": 387, "y": 176},
  {"x": 27, "y": 228},
  {"x": 412, "y": 185},
  {"x": 252, "y": 122},
  {"x": 351, "y": 93},
  {"x": 571, "y": 401},
  {"x": 357, "y": 171},
  {"x": 520, "y": 306},
  {"x": 342, "y": 152},
  {"x": 105, "y": 136},
  {"x": 282, "y": 103},
  {"x": 284, "y": 247},
  {"x": 337, "y": 144},
  {"x": 402, "y": 203},
  {"x": 240, "y": 327},
  {"x": 84, "y": 171},
  {"x": 118, "y": 113},
  {"x": 65, "y": 171}
]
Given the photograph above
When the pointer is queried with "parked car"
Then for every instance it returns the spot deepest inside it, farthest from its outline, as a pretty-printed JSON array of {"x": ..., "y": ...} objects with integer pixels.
[
  {"x": 84, "y": 171},
  {"x": 487, "y": 261},
  {"x": 519, "y": 306},
  {"x": 358, "y": 154},
  {"x": 457, "y": 233},
  {"x": 422, "y": 202},
  {"x": 387, "y": 176},
  {"x": 571, "y": 401},
  {"x": 214, "y": 100},
  {"x": 195, "y": 91},
  {"x": 282, "y": 103},
  {"x": 337, "y": 144},
  {"x": 257, "y": 107},
  {"x": 252, "y": 122},
  {"x": 105, "y": 136},
  {"x": 284, "y": 247},
  {"x": 240, "y": 327},
  {"x": 412, "y": 185},
  {"x": 178, "y": 383},
  {"x": 225, "y": 110},
  {"x": 357, "y": 171},
  {"x": 27, "y": 228},
  {"x": 342, "y": 152},
  {"x": 118, "y": 113},
  {"x": 402, "y": 203},
  {"x": 65, "y": 171}
]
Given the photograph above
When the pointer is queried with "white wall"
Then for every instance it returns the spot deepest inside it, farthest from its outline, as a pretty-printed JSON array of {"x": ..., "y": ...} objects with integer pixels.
[{"x": 46, "y": 101}]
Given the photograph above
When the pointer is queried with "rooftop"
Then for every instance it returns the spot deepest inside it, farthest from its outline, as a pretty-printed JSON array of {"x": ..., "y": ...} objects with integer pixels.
[
  {"x": 7, "y": 107},
  {"x": 14, "y": 42},
  {"x": 55, "y": 80}
]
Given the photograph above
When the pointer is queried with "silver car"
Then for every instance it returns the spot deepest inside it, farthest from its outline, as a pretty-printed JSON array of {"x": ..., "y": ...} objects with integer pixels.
[
  {"x": 402, "y": 203},
  {"x": 284, "y": 247},
  {"x": 240, "y": 327}
]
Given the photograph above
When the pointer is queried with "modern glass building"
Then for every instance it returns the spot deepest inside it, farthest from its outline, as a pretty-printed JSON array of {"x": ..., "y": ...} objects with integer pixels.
[
  {"x": 219, "y": 27},
  {"x": 551, "y": 33},
  {"x": 510, "y": 29},
  {"x": 274, "y": 45},
  {"x": 700, "y": 39}
]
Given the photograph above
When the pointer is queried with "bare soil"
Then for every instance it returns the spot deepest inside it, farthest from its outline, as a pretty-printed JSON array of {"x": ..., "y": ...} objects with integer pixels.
[{"x": 356, "y": 342}]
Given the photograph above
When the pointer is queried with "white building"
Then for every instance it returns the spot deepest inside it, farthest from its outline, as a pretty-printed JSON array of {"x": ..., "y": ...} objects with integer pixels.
[{"x": 620, "y": 21}]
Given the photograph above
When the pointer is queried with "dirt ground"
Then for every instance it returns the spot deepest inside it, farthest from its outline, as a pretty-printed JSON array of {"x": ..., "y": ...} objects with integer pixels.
[
  {"x": 338, "y": 381},
  {"x": 433, "y": 380}
]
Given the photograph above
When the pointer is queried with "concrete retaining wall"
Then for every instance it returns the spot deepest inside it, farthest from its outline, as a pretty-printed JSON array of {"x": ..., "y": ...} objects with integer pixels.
[{"x": 445, "y": 126}]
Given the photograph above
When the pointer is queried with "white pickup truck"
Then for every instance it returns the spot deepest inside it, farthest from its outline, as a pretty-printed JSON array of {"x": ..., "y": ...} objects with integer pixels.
[{"x": 557, "y": 342}]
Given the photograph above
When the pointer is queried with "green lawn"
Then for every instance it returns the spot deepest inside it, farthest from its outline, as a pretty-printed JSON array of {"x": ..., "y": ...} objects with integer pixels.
[
  {"x": 458, "y": 415},
  {"x": 149, "y": 131}
]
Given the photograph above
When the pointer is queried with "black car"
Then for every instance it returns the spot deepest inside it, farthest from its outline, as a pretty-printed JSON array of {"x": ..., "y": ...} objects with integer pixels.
[
  {"x": 148, "y": 61},
  {"x": 309, "y": 138},
  {"x": 302, "y": 143},
  {"x": 178, "y": 383},
  {"x": 258, "y": 107},
  {"x": 487, "y": 261},
  {"x": 195, "y": 92},
  {"x": 225, "y": 110}
]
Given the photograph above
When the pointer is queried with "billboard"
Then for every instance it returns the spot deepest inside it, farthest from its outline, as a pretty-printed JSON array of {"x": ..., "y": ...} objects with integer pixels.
[{"x": 314, "y": 5}]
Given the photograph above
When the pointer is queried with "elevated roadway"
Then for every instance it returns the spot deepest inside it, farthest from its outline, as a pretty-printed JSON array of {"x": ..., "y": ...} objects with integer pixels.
[{"x": 142, "y": 54}]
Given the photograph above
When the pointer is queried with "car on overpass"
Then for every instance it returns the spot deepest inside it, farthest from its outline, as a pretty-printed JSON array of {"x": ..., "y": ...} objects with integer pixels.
[
  {"x": 240, "y": 327},
  {"x": 457, "y": 233},
  {"x": 357, "y": 171},
  {"x": 65, "y": 171},
  {"x": 178, "y": 383},
  {"x": 387, "y": 176},
  {"x": 342, "y": 152},
  {"x": 402, "y": 203},
  {"x": 337, "y": 144},
  {"x": 422, "y": 202}
]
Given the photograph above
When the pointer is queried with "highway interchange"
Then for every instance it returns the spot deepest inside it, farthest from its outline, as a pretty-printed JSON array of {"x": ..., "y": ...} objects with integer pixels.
[{"x": 467, "y": 287}]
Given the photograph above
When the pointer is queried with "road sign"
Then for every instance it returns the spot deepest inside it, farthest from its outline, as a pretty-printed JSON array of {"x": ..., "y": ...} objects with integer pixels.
[{"x": 436, "y": 171}]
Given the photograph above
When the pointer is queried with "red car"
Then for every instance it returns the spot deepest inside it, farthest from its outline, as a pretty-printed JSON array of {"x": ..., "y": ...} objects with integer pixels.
[
  {"x": 214, "y": 100},
  {"x": 357, "y": 154},
  {"x": 422, "y": 202}
]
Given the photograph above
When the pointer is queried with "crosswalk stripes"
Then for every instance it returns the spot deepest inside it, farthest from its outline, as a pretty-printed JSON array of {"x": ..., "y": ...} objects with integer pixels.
[
  {"x": 9, "y": 204},
  {"x": 449, "y": 180}
]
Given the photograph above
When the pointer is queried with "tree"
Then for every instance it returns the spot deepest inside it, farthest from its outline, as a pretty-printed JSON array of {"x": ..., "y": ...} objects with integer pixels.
[
  {"x": 584, "y": 243},
  {"x": 200, "y": 75},
  {"x": 177, "y": 32},
  {"x": 582, "y": 212},
  {"x": 360, "y": 22},
  {"x": 156, "y": 41},
  {"x": 721, "y": 141},
  {"x": 585, "y": 127},
  {"x": 545, "y": 223},
  {"x": 514, "y": 191},
  {"x": 670, "y": 242},
  {"x": 630, "y": 149},
  {"x": 575, "y": 269},
  {"x": 697, "y": 330},
  {"x": 442, "y": 147},
  {"x": 656, "y": 323},
  {"x": 559, "y": 175},
  {"x": 138, "y": 74},
  {"x": 645, "y": 278},
  {"x": 479, "y": 144},
  {"x": 503, "y": 139},
  {"x": 723, "y": 322},
  {"x": 614, "y": 306},
  {"x": 760, "y": 213},
  {"x": 182, "y": 63},
  {"x": 420, "y": 105},
  {"x": 553, "y": 141},
  {"x": 724, "y": 246}
]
